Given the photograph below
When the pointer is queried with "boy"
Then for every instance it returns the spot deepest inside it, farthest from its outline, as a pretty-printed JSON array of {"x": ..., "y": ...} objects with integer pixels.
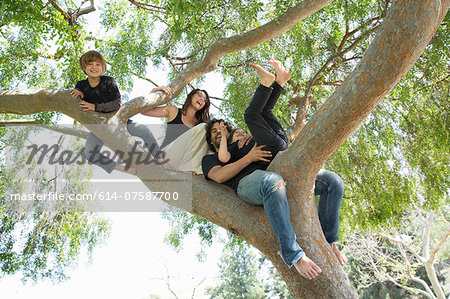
[{"x": 100, "y": 93}]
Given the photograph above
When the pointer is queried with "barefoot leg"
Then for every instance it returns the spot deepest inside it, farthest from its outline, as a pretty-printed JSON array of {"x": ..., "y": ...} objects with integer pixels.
[
  {"x": 265, "y": 77},
  {"x": 307, "y": 268},
  {"x": 282, "y": 74}
]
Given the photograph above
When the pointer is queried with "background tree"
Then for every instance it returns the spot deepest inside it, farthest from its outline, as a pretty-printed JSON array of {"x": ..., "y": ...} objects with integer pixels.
[
  {"x": 238, "y": 275},
  {"x": 203, "y": 39},
  {"x": 400, "y": 255}
]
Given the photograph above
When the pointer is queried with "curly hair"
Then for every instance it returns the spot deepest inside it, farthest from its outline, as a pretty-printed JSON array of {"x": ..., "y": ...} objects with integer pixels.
[{"x": 208, "y": 128}]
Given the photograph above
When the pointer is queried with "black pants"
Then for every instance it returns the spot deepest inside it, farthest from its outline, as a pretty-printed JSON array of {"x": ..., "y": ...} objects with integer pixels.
[{"x": 263, "y": 125}]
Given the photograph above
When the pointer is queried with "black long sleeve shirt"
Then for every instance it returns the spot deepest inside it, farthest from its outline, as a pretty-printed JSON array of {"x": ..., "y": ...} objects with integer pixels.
[{"x": 105, "y": 96}]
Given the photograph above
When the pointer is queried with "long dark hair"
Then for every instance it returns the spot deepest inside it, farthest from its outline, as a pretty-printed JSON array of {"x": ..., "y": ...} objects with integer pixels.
[{"x": 203, "y": 114}]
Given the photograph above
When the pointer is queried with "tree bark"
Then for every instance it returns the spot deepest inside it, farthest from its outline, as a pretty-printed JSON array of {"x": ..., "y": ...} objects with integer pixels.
[{"x": 401, "y": 39}]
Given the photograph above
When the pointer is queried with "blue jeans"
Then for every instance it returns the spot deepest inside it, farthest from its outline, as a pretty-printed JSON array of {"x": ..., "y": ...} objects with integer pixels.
[
  {"x": 268, "y": 189},
  {"x": 93, "y": 146},
  {"x": 330, "y": 188}
]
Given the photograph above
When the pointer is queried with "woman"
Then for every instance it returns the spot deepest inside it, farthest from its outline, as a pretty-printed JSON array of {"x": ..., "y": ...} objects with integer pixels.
[{"x": 185, "y": 143}]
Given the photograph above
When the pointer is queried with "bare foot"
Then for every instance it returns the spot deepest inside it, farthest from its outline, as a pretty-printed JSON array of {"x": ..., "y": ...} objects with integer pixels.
[
  {"x": 307, "y": 268},
  {"x": 130, "y": 170},
  {"x": 266, "y": 77},
  {"x": 340, "y": 256},
  {"x": 163, "y": 163},
  {"x": 282, "y": 74}
]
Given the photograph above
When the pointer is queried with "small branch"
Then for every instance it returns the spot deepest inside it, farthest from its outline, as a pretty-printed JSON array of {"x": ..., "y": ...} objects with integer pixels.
[
  {"x": 144, "y": 78},
  {"x": 439, "y": 245},
  {"x": 421, "y": 259},
  {"x": 410, "y": 289},
  {"x": 86, "y": 10},
  {"x": 424, "y": 284},
  {"x": 182, "y": 58},
  {"x": 300, "y": 118},
  {"x": 182, "y": 63},
  {"x": 338, "y": 54},
  {"x": 66, "y": 130},
  {"x": 58, "y": 8},
  {"x": 17, "y": 122},
  {"x": 195, "y": 288},
  {"x": 149, "y": 7},
  {"x": 443, "y": 217},
  {"x": 245, "y": 63}
]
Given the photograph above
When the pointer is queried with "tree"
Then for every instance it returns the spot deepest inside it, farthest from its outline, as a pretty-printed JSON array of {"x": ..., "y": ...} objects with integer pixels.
[
  {"x": 238, "y": 275},
  {"x": 396, "y": 255},
  {"x": 401, "y": 38}
]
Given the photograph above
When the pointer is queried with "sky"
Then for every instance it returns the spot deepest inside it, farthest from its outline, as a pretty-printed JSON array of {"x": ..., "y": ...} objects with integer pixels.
[{"x": 134, "y": 262}]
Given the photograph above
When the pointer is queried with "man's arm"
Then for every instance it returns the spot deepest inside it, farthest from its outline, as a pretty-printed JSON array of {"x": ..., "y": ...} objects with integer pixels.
[{"x": 221, "y": 174}]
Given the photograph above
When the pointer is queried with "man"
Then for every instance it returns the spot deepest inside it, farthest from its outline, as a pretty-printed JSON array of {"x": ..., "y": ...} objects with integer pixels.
[{"x": 247, "y": 176}]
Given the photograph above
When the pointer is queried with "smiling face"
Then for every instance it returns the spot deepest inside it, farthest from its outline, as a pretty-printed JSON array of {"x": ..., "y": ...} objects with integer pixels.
[
  {"x": 94, "y": 69},
  {"x": 199, "y": 100},
  {"x": 238, "y": 134},
  {"x": 93, "y": 64},
  {"x": 216, "y": 135}
]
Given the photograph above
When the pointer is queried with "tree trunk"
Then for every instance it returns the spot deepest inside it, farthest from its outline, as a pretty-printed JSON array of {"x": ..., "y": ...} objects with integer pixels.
[{"x": 404, "y": 35}]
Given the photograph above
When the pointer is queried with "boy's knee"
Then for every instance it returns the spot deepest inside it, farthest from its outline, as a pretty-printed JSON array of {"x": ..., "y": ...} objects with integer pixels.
[{"x": 337, "y": 182}]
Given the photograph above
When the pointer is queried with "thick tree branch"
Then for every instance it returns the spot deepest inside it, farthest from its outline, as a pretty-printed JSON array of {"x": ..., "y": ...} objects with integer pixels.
[
  {"x": 386, "y": 61},
  {"x": 228, "y": 45},
  {"x": 426, "y": 236},
  {"x": 85, "y": 10}
]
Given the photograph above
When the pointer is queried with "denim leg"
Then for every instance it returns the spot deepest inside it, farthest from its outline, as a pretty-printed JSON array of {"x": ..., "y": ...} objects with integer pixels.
[
  {"x": 93, "y": 155},
  {"x": 143, "y": 132},
  {"x": 330, "y": 188},
  {"x": 268, "y": 189},
  {"x": 258, "y": 126}
]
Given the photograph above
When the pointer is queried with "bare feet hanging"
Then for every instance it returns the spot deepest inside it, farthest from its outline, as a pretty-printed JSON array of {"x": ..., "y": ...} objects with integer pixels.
[
  {"x": 282, "y": 74},
  {"x": 307, "y": 268},
  {"x": 163, "y": 163},
  {"x": 265, "y": 77},
  {"x": 340, "y": 256}
]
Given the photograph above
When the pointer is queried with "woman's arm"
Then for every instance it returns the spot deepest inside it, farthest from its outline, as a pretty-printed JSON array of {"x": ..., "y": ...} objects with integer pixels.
[{"x": 169, "y": 112}]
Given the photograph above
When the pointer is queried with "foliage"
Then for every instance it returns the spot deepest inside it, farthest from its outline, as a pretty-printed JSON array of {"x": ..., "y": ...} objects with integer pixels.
[
  {"x": 42, "y": 242},
  {"x": 377, "y": 260},
  {"x": 238, "y": 275}
]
